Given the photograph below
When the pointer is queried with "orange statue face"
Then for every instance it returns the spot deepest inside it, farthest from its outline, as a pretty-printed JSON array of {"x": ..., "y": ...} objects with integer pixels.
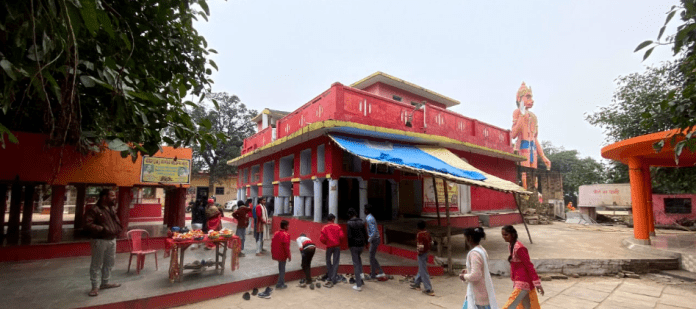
[{"x": 528, "y": 101}]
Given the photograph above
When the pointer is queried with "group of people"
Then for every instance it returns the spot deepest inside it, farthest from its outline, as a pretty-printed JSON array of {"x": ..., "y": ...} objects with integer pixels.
[
  {"x": 104, "y": 226},
  {"x": 480, "y": 293}
]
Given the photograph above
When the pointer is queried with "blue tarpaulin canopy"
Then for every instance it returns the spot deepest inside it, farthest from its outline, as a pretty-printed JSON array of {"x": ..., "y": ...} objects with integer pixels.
[
  {"x": 435, "y": 161},
  {"x": 401, "y": 154}
]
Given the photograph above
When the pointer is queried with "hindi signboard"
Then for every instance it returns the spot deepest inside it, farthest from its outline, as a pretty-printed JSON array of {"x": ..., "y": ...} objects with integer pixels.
[
  {"x": 165, "y": 170},
  {"x": 429, "y": 196},
  {"x": 598, "y": 195}
]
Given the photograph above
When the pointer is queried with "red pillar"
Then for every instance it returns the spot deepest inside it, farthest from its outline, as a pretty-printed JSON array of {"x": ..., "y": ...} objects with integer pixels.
[
  {"x": 648, "y": 199},
  {"x": 15, "y": 210},
  {"x": 3, "y": 209},
  {"x": 80, "y": 206},
  {"x": 55, "y": 223},
  {"x": 180, "y": 206},
  {"x": 640, "y": 206},
  {"x": 124, "y": 199},
  {"x": 167, "y": 208},
  {"x": 27, "y": 213}
]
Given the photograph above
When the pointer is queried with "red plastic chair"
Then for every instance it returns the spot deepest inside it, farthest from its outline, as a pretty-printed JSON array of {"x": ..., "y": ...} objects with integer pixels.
[{"x": 140, "y": 247}]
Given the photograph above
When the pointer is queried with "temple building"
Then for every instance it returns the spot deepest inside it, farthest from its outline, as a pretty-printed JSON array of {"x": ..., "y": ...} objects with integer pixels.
[{"x": 380, "y": 141}]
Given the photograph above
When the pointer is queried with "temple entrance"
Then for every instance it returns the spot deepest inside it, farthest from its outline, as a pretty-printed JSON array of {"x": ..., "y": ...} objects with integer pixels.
[
  {"x": 348, "y": 196},
  {"x": 379, "y": 195}
]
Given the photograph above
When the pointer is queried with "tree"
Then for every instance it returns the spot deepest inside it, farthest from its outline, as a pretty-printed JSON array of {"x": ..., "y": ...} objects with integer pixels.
[
  {"x": 680, "y": 103},
  {"x": 89, "y": 71},
  {"x": 576, "y": 171},
  {"x": 622, "y": 119},
  {"x": 232, "y": 120}
]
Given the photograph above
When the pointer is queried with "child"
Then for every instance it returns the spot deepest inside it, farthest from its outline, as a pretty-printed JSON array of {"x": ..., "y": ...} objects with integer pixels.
[
  {"x": 522, "y": 273},
  {"x": 423, "y": 241},
  {"x": 332, "y": 236},
  {"x": 280, "y": 251},
  {"x": 480, "y": 293},
  {"x": 307, "y": 249}
]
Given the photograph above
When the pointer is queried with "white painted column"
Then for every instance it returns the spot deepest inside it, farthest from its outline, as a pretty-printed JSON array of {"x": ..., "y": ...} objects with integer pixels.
[
  {"x": 363, "y": 197},
  {"x": 318, "y": 199},
  {"x": 298, "y": 206},
  {"x": 308, "y": 206},
  {"x": 244, "y": 197},
  {"x": 286, "y": 204},
  {"x": 333, "y": 197}
]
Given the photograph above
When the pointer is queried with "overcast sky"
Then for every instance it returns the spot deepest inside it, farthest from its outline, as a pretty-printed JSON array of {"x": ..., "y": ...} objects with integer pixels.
[{"x": 281, "y": 54}]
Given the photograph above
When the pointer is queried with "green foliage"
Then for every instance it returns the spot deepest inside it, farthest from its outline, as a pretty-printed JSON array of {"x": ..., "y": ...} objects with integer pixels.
[
  {"x": 576, "y": 171},
  {"x": 635, "y": 110},
  {"x": 88, "y": 71},
  {"x": 230, "y": 118},
  {"x": 680, "y": 102}
]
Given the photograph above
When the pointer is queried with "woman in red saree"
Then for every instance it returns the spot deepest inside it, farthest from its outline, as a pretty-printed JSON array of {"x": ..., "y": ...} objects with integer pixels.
[{"x": 214, "y": 215}]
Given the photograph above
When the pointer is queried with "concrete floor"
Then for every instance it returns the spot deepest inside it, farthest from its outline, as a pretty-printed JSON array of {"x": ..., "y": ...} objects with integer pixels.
[
  {"x": 649, "y": 292},
  {"x": 64, "y": 283}
]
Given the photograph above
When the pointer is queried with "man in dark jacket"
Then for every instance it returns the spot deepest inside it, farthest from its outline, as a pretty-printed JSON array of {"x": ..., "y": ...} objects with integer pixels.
[
  {"x": 103, "y": 225},
  {"x": 357, "y": 240}
]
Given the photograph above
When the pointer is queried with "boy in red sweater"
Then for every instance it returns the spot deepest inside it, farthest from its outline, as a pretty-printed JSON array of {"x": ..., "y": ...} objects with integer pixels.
[
  {"x": 331, "y": 236},
  {"x": 423, "y": 241},
  {"x": 280, "y": 251}
]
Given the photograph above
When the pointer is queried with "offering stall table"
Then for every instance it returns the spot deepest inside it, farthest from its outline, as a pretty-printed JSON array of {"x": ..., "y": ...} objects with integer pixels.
[{"x": 178, "y": 247}]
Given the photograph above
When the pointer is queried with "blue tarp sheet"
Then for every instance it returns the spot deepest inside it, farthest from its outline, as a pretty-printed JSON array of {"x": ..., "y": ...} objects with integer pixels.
[{"x": 401, "y": 154}]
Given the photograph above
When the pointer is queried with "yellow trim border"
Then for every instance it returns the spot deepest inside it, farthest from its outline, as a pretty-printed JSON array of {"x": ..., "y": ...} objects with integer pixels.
[{"x": 327, "y": 124}]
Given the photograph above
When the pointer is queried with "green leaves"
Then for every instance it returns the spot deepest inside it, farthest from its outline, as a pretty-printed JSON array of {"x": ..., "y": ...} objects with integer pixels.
[
  {"x": 89, "y": 15},
  {"x": 8, "y": 68},
  {"x": 643, "y": 45}
]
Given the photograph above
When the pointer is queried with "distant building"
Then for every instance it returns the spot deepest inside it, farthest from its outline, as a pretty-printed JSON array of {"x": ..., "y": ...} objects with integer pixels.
[{"x": 224, "y": 191}]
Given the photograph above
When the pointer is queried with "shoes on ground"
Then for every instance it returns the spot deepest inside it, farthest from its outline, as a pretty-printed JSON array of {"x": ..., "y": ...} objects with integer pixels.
[
  {"x": 302, "y": 285},
  {"x": 351, "y": 281},
  {"x": 242, "y": 255},
  {"x": 382, "y": 275},
  {"x": 415, "y": 286},
  {"x": 429, "y": 292},
  {"x": 318, "y": 285},
  {"x": 357, "y": 288},
  {"x": 328, "y": 284},
  {"x": 311, "y": 286},
  {"x": 246, "y": 296},
  {"x": 255, "y": 291},
  {"x": 265, "y": 295},
  {"x": 280, "y": 287}
]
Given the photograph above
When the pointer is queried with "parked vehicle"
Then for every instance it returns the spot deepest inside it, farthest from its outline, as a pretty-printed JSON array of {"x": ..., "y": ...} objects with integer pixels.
[{"x": 231, "y": 205}]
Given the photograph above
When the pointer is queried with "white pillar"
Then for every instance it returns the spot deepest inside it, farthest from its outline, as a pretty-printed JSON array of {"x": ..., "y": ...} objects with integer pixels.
[
  {"x": 317, "y": 200},
  {"x": 298, "y": 206},
  {"x": 277, "y": 206},
  {"x": 333, "y": 197},
  {"x": 244, "y": 197},
  {"x": 363, "y": 197},
  {"x": 286, "y": 204},
  {"x": 308, "y": 206}
]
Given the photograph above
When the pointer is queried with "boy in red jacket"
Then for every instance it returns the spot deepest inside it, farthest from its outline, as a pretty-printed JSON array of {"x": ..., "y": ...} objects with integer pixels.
[
  {"x": 331, "y": 236},
  {"x": 423, "y": 241},
  {"x": 280, "y": 251}
]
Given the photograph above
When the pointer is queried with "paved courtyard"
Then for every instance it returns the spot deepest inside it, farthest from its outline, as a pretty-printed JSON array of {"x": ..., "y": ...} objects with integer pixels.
[{"x": 649, "y": 292}]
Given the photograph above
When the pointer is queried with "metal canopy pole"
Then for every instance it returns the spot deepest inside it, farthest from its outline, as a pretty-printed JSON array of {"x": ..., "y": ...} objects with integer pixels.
[
  {"x": 437, "y": 202},
  {"x": 449, "y": 229},
  {"x": 515, "y": 196}
]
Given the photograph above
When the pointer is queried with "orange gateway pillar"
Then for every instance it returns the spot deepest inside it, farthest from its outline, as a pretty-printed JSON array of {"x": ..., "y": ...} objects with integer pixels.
[
  {"x": 648, "y": 199},
  {"x": 638, "y": 196}
]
